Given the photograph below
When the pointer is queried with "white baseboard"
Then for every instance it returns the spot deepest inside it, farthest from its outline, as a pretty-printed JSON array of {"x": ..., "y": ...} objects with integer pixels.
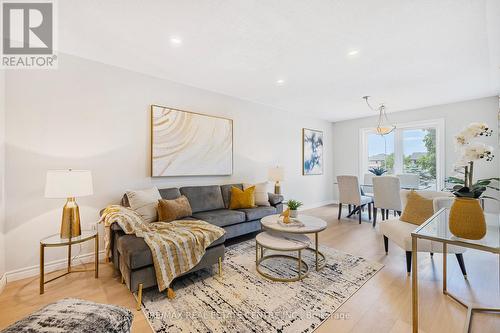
[
  {"x": 3, "y": 282},
  {"x": 318, "y": 204},
  {"x": 55, "y": 265}
]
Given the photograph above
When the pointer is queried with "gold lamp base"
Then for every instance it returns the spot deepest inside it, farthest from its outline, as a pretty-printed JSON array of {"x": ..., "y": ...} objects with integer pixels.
[
  {"x": 277, "y": 188},
  {"x": 70, "y": 223}
]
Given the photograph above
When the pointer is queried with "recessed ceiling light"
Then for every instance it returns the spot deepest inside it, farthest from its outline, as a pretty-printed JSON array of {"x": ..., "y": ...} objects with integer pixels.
[
  {"x": 353, "y": 53},
  {"x": 280, "y": 82},
  {"x": 175, "y": 41}
]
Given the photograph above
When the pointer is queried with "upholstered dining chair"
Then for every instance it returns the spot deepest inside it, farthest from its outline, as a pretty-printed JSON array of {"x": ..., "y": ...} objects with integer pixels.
[
  {"x": 367, "y": 180},
  {"x": 409, "y": 180},
  {"x": 386, "y": 196},
  {"x": 350, "y": 194},
  {"x": 399, "y": 232}
]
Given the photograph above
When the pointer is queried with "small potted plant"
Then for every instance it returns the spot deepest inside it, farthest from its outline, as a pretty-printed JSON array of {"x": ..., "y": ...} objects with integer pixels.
[
  {"x": 377, "y": 171},
  {"x": 293, "y": 205}
]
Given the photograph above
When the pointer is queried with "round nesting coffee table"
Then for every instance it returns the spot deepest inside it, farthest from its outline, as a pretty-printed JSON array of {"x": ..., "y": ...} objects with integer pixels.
[
  {"x": 279, "y": 241},
  {"x": 311, "y": 225}
]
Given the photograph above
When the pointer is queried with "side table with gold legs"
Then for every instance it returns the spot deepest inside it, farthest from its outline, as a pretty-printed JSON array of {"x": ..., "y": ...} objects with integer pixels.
[{"x": 57, "y": 241}]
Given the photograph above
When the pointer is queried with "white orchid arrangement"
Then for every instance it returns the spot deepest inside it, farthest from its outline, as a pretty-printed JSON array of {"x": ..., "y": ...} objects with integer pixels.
[
  {"x": 473, "y": 131},
  {"x": 470, "y": 151}
]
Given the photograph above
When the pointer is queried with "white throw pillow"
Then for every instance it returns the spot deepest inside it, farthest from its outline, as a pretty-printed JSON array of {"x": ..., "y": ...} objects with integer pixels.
[
  {"x": 145, "y": 202},
  {"x": 261, "y": 193}
]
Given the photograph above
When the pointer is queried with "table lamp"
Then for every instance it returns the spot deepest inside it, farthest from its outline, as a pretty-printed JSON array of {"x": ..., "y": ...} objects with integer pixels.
[
  {"x": 69, "y": 184},
  {"x": 277, "y": 174}
]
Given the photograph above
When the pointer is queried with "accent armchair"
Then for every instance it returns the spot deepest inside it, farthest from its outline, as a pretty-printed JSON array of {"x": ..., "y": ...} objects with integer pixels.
[{"x": 399, "y": 232}]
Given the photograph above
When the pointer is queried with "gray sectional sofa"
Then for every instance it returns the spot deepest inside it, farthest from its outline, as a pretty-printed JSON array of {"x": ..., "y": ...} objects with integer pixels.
[{"x": 132, "y": 257}]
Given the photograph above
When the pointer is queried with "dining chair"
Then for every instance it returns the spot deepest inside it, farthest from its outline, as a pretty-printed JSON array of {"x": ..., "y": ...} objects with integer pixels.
[
  {"x": 409, "y": 180},
  {"x": 399, "y": 232},
  {"x": 367, "y": 180},
  {"x": 350, "y": 194},
  {"x": 386, "y": 196}
]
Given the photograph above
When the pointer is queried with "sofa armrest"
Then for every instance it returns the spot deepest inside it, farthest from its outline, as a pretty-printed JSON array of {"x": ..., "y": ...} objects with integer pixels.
[{"x": 275, "y": 199}]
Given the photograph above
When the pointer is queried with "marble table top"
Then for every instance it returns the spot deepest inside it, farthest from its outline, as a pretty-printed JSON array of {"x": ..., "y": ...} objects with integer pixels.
[{"x": 310, "y": 225}]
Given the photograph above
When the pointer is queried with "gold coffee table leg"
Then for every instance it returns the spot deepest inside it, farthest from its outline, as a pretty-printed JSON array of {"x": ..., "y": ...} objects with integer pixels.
[
  {"x": 316, "y": 241},
  {"x": 300, "y": 262}
]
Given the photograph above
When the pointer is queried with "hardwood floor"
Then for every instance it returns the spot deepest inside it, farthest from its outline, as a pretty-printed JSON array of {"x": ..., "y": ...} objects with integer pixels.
[{"x": 383, "y": 304}]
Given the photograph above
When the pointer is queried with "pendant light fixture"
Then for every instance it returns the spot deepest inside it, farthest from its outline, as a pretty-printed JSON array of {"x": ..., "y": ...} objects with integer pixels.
[{"x": 384, "y": 126}]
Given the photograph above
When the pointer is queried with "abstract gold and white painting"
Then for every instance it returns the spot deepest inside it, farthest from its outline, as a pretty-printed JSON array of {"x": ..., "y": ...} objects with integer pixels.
[{"x": 185, "y": 143}]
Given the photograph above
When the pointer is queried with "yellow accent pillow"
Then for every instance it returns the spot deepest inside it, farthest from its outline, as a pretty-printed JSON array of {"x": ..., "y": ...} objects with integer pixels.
[
  {"x": 242, "y": 199},
  {"x": 418, "y": 209}
]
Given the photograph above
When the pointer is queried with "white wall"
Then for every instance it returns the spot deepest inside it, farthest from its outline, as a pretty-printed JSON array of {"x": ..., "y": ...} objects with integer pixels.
[
  {"x": 456, "y": 116},
  {"x": 87, "y": 115},
  {"x": 2, "y": 174}
]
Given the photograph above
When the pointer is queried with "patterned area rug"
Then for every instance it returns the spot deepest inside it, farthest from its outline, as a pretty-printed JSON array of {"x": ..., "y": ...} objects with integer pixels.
[
  {"x": 76, "y": 316},
  {"x": 243, "y": 301}
]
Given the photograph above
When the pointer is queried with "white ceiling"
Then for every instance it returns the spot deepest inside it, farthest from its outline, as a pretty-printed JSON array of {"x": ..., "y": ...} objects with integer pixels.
[{"x": 411, "y": 53}]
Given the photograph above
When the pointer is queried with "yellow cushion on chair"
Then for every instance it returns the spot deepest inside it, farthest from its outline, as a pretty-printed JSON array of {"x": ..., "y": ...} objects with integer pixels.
[
  {"x": 242, "y": 199},
  {"x": 418, "y": 209}
]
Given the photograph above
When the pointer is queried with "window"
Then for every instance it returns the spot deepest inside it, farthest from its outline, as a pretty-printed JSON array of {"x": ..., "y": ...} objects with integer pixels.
[
  {"x": 381, "y": 151},
  {"x": 413, "y": 148}
]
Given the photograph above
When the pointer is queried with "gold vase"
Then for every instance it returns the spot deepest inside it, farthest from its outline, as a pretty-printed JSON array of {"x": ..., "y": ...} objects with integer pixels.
[{"x": 467, "y": 219}]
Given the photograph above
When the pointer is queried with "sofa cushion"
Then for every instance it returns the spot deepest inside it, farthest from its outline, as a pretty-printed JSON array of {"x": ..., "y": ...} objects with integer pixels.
[
  {"x": 400, "y": 233},
  {"x": 170, "y": 193},
  {"x": 275, "y": 199},
  {"x": 203, "y": 198},
  {"x": 221, "y": 217},
  {"x": 258, "y": 212},
  {"x": 226, "y": 193},
  {"x": 135, "y": 253}
]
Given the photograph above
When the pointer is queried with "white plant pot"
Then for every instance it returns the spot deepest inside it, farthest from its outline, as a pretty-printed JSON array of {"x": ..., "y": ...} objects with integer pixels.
[{"x": 294, "y": 213}]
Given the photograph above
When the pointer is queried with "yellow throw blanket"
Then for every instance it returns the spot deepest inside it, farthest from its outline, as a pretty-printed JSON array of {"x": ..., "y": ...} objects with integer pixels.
[{"x": 176, "y": 246}]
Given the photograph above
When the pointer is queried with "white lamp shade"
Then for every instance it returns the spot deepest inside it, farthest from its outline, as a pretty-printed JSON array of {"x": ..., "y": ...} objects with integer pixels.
[
  {"x": 68, "y": 183},
  {"x": 276, "y": 174}
]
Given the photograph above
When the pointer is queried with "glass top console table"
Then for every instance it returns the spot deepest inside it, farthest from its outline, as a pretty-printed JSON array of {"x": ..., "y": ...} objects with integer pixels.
[{"x": 437, "y": 229}]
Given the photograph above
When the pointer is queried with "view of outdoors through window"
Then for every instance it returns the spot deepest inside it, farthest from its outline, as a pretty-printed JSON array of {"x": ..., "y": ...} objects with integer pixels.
[
  {"x": 418, "y": 149},
  {"x": 419, "y": 154},
  {"x": 381, "y": 151}
]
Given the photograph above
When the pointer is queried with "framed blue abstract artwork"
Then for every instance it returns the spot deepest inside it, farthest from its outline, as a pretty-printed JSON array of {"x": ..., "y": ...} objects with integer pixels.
[{"x": 312, "y": 152}]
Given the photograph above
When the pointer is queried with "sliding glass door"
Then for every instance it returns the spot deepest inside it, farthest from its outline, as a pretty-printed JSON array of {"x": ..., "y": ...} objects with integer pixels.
[{"x": 413, "y": 151}]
